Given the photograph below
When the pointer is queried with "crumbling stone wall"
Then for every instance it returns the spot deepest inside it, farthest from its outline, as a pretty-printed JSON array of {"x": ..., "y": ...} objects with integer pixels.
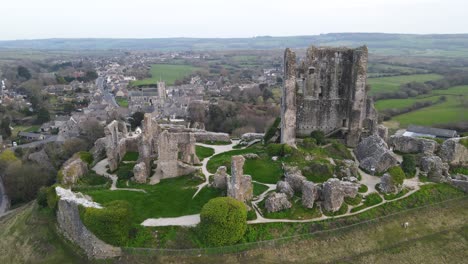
[
  {"x": 327, "y": 92},
  {"x": 68, "y": 219},
  {"x": 176, "y": 155},
  {"x": 239, "y": 185}
]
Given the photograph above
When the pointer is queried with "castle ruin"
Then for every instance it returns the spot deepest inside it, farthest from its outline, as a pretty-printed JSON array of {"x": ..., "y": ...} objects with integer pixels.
[{"x": 326, "y": 91}]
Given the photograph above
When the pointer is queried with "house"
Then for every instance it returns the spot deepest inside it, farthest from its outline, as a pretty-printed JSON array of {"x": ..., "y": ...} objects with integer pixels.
[
  {"x": 421, "y": 131},
  {"x": 31, "y": 136}
]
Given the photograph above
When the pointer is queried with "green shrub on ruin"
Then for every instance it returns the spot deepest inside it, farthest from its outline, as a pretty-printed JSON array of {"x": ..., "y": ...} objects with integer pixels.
[
  {"x": 409, "y": 165},
  {"x": 280, "y": 150},
  {"x": 398, "y": 175},
  {"x": 111, "y": 224},
  {"x": 86, "y": 157},
  {"x": 223, "y": 221}
]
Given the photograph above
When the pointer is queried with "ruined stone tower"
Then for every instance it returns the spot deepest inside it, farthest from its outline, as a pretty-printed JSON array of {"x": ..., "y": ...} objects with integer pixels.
[{"x": 326, "y": 91}]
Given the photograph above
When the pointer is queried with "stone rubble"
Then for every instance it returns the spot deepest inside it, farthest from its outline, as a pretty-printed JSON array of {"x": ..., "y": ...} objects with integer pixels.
[
  {"x": 373, "y": 152},
  {"x": 239, "y": 185},
  {"x": 284, "y": 187},
  {"x": 220, "y": 178},
  {"x": 334, "y": 191}
]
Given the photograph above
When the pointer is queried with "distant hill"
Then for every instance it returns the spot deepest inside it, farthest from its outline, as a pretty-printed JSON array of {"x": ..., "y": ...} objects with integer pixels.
[{"x": 454, "y": 45}]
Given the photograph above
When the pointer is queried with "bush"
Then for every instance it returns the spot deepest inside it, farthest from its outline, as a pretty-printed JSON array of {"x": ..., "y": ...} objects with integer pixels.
[
  {"x": 223, "y": 221},
  {"x": 398, "y": 176},
  {"x": 42, "y": 197},
  {"x": 353, "y": 201},
  {"x": 363, "y": 188},
  {"x": 409, "y": 165},
  {"x": 86, "y": 157},
  {"x": 464, "y": 142},
  {"x": 319, "y": 137},
  {"x": 52, "y": 198},
  {"x": 281, "y": 150},
  {"x": 309, "y": 143},
  {"x": 111, "y": 224},
  {"x": 272, "y": 130}
]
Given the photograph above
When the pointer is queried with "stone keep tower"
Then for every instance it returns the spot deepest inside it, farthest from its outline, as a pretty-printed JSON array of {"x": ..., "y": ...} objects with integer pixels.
[{"x": 326, "y": 91}]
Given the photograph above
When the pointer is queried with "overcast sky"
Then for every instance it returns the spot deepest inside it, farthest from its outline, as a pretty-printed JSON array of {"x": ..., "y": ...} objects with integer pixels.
[{"x": 32, "y": 19}]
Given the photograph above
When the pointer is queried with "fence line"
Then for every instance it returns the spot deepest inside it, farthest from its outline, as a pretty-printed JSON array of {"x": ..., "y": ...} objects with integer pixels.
[{"x": 278, "y": 241}]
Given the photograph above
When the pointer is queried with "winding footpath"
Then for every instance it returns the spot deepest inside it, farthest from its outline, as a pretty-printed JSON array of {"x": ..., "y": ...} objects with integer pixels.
[
  {"x": 101, "y": 169},
  {"x": 191, "y": 220}
]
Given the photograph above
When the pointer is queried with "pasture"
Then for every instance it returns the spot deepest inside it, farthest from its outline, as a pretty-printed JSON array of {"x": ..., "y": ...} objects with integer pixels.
[
  {"x": 453, "y": 110},
  {"x": 392, "y": 84},
  {"x": 166, "y": 72}
]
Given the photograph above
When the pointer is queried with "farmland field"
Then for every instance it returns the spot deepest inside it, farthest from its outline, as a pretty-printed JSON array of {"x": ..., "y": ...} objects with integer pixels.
[
  {"x": 392, "y": 84},
  {"x": 401, "y": 103},
  {"x": 450, "y": 111},
  {"x": 166, "y": 72}
]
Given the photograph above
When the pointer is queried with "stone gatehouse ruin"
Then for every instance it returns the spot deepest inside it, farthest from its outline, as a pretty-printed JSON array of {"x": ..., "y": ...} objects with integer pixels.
[{"x": 326, "y": 91}]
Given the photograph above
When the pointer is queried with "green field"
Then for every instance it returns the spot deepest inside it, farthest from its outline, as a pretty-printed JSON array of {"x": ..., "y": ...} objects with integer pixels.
[
  {"x": 166, "y": 72},
  {"x": 450, "y": 111},
  {"x": 392, "y": 84},
  {"x": 401, "y": 103}
]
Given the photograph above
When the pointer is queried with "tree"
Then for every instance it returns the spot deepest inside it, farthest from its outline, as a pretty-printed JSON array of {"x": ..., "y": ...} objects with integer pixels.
[
  {"x": 136, "y": 119},
  {"x": 22, "y": 181},
  {"x": 409, "y": 165},
  {"x": 43, "y": 116},
  {"x": 398, "y": 176},
  {"x": 5, "y": 129},
  {"x": 91, "y": 130},
  {"x": 68, "y": 107},
  {"x": 223, "y": 221},
  {"x": 24, "y": 73}
]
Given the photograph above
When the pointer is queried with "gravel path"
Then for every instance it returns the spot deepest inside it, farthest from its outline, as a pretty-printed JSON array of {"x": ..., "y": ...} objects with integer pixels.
[
  {"x": 101, "y": 169},
  {"x": 217, "y": 150},
  {"x": 187, "y": 220}
]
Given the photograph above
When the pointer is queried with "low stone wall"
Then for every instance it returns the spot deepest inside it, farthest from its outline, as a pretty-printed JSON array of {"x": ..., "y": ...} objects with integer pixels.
[
  {"x": 211, "y": 136},
  {"x": 68, "y": 218}
]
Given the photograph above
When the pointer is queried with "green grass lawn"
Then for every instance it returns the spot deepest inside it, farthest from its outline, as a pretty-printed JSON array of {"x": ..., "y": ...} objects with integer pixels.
[
  {"x": 169, "y": 198},
  {"x": 166, "y": 72},
  {"x": 259, "y": 188},
  {"x": 262, "y": 169},
  {"x": 131, "y": 156},
  {"x": 204, "y": 152},
  {"x": 392, "y": 84},
  {"x": 122, "y": 102}
]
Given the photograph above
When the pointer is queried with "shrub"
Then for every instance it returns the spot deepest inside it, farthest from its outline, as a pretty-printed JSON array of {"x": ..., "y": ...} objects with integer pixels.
[
  {"x": 272, "y": 130},
  {"x": 86, "y": 157},
  {"x": 111, "y": 224},
  {"x": 353, "y": 201},
  {"x": 398, "y": 176},
  {"x": 363, "y": 188},
  {"x": 309, "y": 143},
  {"x": 464, "y": 142},
  {"x": 223, "y": 221},
  {"x": 52, "y": 198},
  {"x": 42, "y": 197},
  {"x": 281, "y": 150},
  {"x": 319, "y": 137},
  {"x": 409, "y": 165}
]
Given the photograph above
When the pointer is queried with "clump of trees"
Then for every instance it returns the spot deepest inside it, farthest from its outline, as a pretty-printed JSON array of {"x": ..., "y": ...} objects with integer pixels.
[
  {"x": 22, "y": 180},
  {"x": 223, "y": 221},
  {"x": 409, "y": 165}
]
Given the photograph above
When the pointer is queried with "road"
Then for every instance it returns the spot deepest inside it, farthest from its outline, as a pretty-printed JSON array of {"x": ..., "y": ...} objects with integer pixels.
[{"x": 108, "y": 97}]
